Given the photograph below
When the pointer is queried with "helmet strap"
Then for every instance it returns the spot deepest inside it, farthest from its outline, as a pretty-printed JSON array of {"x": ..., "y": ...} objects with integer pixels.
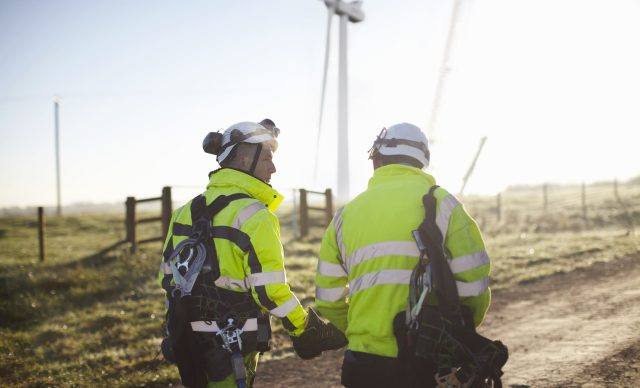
[{"x": 256, "y": 157}]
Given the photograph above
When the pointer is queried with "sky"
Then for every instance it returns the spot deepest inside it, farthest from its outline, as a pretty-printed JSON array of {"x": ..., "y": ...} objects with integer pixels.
[{"x": 554, "y": 85}]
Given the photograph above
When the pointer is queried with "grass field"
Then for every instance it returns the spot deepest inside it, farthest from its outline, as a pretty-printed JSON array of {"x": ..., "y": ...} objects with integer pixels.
[{"x": 88, "y": 317}]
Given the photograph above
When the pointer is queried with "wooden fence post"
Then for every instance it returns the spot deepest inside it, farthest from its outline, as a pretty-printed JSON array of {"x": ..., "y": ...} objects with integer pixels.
[
  {"x": 166, "y": 211},
  {"x": 304, "y": 213},
  {"x": 584, "y": 202},
  {"x": 41, "y": 234},
  {"x": 294, "y": 215},
  {"x": 498, "y": 207},
  {"x": 130, "y": 222},
  {"x": 329, "y": 206}
]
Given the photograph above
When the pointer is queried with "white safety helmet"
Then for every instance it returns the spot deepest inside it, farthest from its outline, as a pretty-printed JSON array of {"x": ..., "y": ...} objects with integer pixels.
[
  {"x": 402, "y": 139},
  {"x": 222, "y": 144}
]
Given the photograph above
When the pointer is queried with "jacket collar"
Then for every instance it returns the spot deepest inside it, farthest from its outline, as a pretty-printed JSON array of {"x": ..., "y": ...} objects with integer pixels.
[
  {"x": 228, "y": 177},
  {"x": 392, "y": 171}
]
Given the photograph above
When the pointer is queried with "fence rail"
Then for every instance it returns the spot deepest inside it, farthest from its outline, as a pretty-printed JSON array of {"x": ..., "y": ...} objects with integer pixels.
[
  {"x": 304, "y": 209},
  {"x": 578, "y": 207},
  {"x": 131, "y": 220}
]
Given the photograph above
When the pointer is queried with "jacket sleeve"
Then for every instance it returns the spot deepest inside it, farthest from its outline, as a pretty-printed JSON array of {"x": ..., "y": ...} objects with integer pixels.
[
  {"x": 469, "y": 263},
  {"x": 332, "y": 280},
  {"x": 266, "y": 273}
]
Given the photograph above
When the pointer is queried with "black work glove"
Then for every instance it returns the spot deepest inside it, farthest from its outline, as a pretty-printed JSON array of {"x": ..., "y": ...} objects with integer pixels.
[{"x": 317, "y": 337}]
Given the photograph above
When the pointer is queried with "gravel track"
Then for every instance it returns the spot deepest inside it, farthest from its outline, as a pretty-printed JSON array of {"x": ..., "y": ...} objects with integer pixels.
[{"x": 579, "y": 329}]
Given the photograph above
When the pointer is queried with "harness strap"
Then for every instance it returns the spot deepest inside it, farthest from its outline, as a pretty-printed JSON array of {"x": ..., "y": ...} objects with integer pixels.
[
  {"x": 201, "y": 229},
  {"x": 256, "y": 156},
  {"x": 250, "y": 324},
  {"x": 200, "y": 209},
  {"x": 443, "y": 281},
  {"x": 221, "y": 202},
  {"x": 446, "y": 333}
]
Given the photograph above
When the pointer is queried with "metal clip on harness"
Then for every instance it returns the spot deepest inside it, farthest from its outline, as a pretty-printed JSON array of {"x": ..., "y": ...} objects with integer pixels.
[
  {"x": 420, "y": 284},
  {"x": 232, "y": 342}
]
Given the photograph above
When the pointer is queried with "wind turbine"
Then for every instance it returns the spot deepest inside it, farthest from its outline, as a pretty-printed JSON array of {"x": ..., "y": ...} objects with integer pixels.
[{"x": 348, "y": 12}]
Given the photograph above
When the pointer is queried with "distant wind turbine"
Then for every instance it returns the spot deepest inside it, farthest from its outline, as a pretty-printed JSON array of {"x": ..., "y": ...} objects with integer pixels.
[{"x": 348, "y": 12}]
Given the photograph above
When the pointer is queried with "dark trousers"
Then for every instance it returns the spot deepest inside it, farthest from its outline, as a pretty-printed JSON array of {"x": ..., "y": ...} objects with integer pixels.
[{"x": 364, "y": 370}]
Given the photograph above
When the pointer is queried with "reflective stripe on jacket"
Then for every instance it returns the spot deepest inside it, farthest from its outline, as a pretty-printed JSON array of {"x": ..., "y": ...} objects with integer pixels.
[
  {"x": 368, "y": 253},
  {"x": 264, "y": 273}
]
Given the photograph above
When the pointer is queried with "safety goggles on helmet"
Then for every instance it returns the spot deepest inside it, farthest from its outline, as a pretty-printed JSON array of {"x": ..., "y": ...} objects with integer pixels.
[
  {"x": 270, "y": 126},
  {"x": 248, "y": 132},
  {"x": 402, "y": 139},
  {"x": 376, "y": 143},
  {"x": 393, "y": 142},
  {"x": 238, "y": 137}
]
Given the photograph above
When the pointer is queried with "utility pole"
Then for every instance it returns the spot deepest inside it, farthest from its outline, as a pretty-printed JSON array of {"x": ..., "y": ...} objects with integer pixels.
[
  {"x": 348, "y": 12},
  {"x": 56, "y": 108}
]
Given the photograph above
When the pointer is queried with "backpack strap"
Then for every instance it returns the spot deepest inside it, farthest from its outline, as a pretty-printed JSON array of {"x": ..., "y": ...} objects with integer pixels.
[
  {"x": 443, "y": 282},
  {"x": 457, "y": 324}
]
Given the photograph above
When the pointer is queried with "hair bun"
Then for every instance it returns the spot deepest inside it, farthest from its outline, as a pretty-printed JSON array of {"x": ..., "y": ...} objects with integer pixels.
[{"x": 212, "y": 143}]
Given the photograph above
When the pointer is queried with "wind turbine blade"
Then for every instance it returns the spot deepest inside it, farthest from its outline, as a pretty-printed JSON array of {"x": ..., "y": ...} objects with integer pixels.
[
  {"x": 330, "y": 12},
  {"x": 444, "y": 70},
  {"x": 472, "y": 166}
]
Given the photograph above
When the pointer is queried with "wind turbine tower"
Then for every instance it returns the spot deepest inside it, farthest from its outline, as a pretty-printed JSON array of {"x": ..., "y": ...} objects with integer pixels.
[{"x": 348, "y": 12}]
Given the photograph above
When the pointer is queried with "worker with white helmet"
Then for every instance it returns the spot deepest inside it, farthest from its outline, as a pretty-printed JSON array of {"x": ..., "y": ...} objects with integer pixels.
[
  {"x": 368, "y": 254},
  {"x": 262, "y": 138},
  {"x": 223, "y": 269}
]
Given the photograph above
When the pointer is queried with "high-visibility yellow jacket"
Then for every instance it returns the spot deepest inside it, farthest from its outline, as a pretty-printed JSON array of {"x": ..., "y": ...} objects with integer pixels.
[
  {"x": 265, "y": 274},
  {"x": 368, "y": 253}
]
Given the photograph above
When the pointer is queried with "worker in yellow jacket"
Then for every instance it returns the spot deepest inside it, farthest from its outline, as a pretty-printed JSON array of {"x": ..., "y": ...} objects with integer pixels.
[
  {"x": 368, "y": 254},
  {"x": 223, "y": 269}
]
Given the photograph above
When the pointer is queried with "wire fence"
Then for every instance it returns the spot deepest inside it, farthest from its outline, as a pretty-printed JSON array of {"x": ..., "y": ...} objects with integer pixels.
[
  {"x": 552, "y": 207},
  {"x": 544, "y": 208}
]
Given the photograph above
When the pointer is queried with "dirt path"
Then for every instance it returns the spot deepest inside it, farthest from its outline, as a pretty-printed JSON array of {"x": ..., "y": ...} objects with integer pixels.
[{"x": 580, "y": 329}]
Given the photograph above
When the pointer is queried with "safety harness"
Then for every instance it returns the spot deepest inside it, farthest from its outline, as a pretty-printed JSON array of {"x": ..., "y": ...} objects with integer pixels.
[
  {"x": 443, "y": 336},
  {"x": 210, "y": 328}
]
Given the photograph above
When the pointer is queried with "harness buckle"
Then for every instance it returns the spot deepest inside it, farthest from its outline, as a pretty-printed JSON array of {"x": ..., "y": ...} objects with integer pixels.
[
  {"x": 230, "y": 336},
  {"x": 201, "y": 228}
]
